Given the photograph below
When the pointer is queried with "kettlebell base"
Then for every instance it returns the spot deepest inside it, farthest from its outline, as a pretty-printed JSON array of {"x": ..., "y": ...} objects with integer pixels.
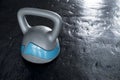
[
  {"x": 36, "y": 54},
  {"x": 34, "y": 59}
]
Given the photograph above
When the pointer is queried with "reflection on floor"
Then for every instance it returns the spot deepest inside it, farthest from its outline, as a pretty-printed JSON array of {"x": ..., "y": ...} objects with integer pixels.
[{"x": 90, "y": 41}]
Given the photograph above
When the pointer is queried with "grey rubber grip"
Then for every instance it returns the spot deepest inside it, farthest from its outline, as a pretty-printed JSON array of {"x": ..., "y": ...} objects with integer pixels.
[{"x": 42, "y": 13}]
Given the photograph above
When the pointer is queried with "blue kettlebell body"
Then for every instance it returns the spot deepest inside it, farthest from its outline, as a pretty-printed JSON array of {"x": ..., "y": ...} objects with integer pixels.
[{"x": 40, "y": 43}]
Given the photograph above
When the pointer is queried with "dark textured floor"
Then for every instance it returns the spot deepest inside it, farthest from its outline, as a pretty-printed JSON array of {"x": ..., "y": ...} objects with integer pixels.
[{"x": 90, "y": 41}]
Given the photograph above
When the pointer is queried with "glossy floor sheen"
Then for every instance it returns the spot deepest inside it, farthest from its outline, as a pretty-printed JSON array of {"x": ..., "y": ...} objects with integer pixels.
[{"x": 90, "y": 41}]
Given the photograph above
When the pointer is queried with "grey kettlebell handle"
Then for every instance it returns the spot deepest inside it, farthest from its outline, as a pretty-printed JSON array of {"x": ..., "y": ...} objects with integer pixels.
[{"x": 42, "y": 13}]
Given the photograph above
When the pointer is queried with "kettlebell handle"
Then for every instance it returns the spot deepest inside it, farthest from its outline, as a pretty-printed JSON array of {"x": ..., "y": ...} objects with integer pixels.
[{"x": 42, "y": 13}]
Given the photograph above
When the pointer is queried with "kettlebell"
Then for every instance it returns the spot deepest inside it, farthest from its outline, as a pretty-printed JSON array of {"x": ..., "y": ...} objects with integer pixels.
[{"x": 40, "y": 43}]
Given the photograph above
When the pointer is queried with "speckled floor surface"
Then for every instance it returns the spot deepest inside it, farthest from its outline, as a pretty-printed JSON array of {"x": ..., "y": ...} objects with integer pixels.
[{"x": 89, "y": 40}]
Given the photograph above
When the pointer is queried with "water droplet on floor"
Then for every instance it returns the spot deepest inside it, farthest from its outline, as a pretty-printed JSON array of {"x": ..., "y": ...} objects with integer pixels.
[
  {"x": 70, "y": 12},
  {"x": 67, "y": 0}
]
